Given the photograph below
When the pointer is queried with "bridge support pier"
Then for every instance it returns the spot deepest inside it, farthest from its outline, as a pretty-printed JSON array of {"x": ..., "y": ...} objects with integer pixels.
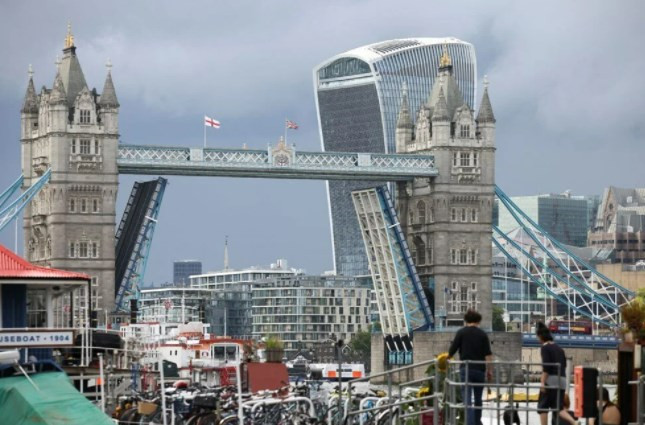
[{"x": 506, "y": 346}]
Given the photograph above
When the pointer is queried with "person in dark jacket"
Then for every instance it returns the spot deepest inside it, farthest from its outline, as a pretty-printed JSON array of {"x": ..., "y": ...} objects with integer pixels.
[
  {"x": 553, "y": 383},
  {"x": 473, "y": 345}
]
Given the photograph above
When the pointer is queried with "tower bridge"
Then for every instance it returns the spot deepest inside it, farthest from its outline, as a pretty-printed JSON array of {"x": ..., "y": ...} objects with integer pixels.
[
  {"x": 438, "y": 238},
  {"x": 280, "y": 161}
]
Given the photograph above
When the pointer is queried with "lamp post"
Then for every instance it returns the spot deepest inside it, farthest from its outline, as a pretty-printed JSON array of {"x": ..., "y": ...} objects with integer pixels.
[{"x": 338, "y": 344}]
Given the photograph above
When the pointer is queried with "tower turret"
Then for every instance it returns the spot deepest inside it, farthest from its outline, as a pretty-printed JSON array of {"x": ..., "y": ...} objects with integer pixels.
[
  {"x": 108, "y": 104},
  {"x": 404, "y": 123},
  {"x": 486, "y": 118},
  {"x": 58, "y": 110},
  {"x": 70, "y": 69},
  {"x": 440, "y": 120},
  {"x": 29, "y": 110}
]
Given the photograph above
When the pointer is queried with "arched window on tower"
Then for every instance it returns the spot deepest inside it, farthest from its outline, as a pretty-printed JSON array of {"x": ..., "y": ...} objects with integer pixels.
[
  {"x": 420, "y": 248},
  {"x": 421, "y": 211}
]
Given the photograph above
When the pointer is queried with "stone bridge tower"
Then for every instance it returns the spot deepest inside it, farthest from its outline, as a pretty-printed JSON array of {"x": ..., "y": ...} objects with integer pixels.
[
  {"x": 447, "y": 220},
  {"x": 74, "y": 131}
]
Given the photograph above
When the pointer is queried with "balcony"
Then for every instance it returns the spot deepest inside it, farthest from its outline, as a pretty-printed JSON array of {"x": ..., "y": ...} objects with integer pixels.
[
  {"x": 466, "y": 174},
  {"x": 85, "y": 162}
]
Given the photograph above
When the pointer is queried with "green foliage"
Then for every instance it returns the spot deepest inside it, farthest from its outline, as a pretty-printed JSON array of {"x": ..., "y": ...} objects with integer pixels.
[
  {"x": 633, "y": 315},
  {"x": 274, "y": 343},
  {"x": 274, "y": 349},
  {"x": 361, "y": 344},
  {"x": 498, "y": 319}
]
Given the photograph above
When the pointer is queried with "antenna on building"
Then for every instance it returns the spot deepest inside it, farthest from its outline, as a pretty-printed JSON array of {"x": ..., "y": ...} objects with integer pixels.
[{"x": 226, "y": 252}]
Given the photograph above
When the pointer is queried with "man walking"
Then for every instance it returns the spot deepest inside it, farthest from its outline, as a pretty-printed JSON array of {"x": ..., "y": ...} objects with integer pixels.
[{"x": 473, "y": 345}]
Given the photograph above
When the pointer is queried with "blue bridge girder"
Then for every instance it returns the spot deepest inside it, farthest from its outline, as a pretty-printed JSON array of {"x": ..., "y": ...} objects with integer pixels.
[
  {"x": 599, "y": 342},
  {"x": 275, "y": 162}
]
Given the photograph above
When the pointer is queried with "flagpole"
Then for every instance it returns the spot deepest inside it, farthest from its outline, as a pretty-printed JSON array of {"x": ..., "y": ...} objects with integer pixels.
[
  {"x": 204, "y": 124},
  {"x": 285, "y": 131}
]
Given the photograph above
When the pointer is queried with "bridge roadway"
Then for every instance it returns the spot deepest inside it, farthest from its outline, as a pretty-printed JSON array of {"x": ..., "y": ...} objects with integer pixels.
[
  {"x": 575, "y": 341},
  {"x": 276, "y": 162}
]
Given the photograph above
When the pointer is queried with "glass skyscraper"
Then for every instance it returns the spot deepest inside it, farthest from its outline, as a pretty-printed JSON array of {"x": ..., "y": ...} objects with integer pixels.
[
  {"x": 358, "y": 95},
  {"x": 182, "y": 270},
  {"x": 564, "y": 217}
]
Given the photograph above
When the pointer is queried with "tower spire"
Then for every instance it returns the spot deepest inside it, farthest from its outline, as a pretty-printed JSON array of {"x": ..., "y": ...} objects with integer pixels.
[
  {"x": 108, "y": 96},
  {"x": 485, "y": 114},
  {"x": 404, "y": 119},
  {"x": 445, "y": 60},
  {"x": 226, "y": 252},
  {"x": 58, "y": 93},
  {"x": 440, "y": 112},
  {"x": 30, "y": 103},
  {"x": 69, "y": 38}
]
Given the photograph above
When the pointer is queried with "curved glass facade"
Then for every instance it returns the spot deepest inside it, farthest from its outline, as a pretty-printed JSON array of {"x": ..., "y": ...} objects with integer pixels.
[
  {"x": 418, "y": 67},
  {"x": 350, "y": 121},
  {"x": 358, "y": 97}
]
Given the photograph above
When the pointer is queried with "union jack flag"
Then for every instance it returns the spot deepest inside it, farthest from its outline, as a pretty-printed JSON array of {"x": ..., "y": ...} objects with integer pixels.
[{"x": 292, "y": 125}]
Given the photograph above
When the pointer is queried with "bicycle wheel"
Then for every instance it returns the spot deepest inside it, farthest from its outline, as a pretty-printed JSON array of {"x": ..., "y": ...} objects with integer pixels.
[
  {"x": 209, "y": 418},
  {"x": 130, "y": 416}
]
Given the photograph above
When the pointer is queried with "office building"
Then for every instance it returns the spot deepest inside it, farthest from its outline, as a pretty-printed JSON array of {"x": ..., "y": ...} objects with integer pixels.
[
  {"x": 563, "y": 216},
  {"x": 182, "y": 270},
  {"x": 223, "y": 299},
  {"x": 304, "y": 310},
  {"x": 522, "y": 301},
  {"x": 174, "y": 304},
  {"x": 619, "y": 229},
  {"x": 358, "y": 97}
]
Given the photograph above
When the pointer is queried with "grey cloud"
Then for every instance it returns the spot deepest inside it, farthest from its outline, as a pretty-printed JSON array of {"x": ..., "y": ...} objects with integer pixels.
[{"x": 566, "y": 86}]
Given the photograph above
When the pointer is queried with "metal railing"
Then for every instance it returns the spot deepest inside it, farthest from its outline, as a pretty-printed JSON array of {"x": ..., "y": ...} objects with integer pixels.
[
  {"x": 511, "y": 381},
  {"x": 395, "y": 406},
  {"x": 440, "y": 392}
]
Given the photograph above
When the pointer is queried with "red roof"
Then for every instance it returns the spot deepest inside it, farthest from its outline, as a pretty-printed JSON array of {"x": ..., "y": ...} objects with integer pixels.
[{"x": 14, "y": 267}]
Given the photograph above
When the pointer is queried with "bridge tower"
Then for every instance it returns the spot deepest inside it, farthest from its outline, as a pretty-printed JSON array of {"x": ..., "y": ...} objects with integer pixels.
[
  {"x": 447, "y": 219},
  {"x": 74, "y": 131}
]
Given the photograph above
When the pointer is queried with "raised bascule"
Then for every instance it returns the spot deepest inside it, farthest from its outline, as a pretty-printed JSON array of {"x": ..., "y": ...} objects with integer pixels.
[{"x": 430, "y": 257}]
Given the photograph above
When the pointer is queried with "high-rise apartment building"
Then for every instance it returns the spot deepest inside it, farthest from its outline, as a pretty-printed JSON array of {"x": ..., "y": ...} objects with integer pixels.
[
  {"x": 305, "y": 310},
  {"x": 182, "y": 270},
  {"x": 358, "y": 96},
  {"x": 563, "y": 216},
  {"x": 229, "y": 308}
]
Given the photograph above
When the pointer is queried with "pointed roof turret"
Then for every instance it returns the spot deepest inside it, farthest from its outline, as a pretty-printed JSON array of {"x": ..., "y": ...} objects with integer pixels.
[
  {"x": 485, "y": 113},
  {"x": 70, "y": 69},
  {"x": 440, "y": 110},
  {"x": 30, "y": 103},
  {"x": 58, "y": 94},
  {"x": 452, "y": 95},
  {"x": 404, "y": 120},
  {"x": 108, "y": 96}
]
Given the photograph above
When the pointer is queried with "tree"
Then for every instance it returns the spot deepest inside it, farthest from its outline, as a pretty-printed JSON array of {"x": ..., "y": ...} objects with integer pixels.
[
  {"x": 274, "y": 349},
  {"x": 361, "y": 345},
  {"x": 498, "y": 319}
]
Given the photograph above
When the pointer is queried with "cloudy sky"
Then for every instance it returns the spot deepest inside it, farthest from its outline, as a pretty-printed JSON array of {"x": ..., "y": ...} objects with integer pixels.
[{"x": 567, "y": 85}]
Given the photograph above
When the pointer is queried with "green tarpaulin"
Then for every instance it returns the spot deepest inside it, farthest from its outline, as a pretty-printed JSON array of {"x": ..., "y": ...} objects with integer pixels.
[{"x": 56, "y": 402}]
